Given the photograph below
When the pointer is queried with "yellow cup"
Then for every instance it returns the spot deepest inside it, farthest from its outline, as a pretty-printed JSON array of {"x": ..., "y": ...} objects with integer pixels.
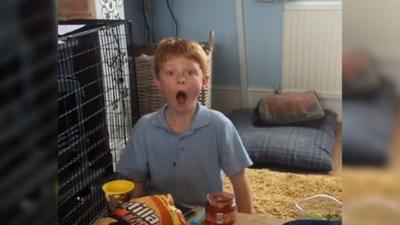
[{"x": 117, "y": 192}]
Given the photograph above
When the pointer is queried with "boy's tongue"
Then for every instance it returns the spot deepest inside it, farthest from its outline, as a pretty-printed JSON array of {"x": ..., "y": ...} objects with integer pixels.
[{"x": 181, "y": 97}]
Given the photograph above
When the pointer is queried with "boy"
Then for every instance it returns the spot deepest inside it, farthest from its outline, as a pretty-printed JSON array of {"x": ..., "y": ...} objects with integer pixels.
[{"x": 181, "y": 148}]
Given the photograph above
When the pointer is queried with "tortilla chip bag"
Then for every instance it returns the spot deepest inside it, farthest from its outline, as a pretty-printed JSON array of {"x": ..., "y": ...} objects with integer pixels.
[{"x": 148, "y": 210}]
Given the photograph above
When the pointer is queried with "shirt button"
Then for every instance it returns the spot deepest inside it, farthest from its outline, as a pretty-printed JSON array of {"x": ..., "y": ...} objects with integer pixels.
[{"x": 174, "y": 163}]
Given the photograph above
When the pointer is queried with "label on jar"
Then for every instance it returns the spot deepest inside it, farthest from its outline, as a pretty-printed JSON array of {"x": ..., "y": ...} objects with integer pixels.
[{"x": 220, "y": 217}]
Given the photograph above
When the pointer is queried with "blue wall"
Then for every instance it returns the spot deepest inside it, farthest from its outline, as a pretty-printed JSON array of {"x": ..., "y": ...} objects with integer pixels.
[
  {"x": 195, "y": 20},
  {"x": 263, "y": 35},
  {"x": 134, "y": 13},
  {"x": 263, "y": 30}
]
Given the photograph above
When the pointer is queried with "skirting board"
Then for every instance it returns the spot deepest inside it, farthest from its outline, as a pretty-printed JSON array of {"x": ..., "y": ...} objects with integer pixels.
[{"x": 227, "y": 99}]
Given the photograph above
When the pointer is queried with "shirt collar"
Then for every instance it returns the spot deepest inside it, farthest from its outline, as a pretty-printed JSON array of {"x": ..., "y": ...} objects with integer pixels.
[{"x": 201, "y": 118}]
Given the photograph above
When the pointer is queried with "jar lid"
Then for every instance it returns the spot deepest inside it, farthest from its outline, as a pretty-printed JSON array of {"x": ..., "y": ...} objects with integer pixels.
[{"x": 221, "y": 199}]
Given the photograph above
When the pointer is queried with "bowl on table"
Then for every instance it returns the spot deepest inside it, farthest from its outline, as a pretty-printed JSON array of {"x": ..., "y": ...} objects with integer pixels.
[{"x": 319, "y": 207}]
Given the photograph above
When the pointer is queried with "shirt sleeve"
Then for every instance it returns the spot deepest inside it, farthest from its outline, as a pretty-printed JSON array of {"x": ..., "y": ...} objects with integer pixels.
[
  {"x": 233, "y": 156},
  {"x": 133, "y": 160}
]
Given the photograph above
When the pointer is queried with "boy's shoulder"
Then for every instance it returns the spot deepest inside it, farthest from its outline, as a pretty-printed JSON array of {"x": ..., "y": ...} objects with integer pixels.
[
  {"x": 217, "y": 117},
  {"x": 215, "y": 114},
  {"x": 146, "y": 119}
]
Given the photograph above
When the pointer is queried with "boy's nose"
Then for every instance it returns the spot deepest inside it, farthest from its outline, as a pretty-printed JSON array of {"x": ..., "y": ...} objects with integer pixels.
[{"x": 181, "y": 79}]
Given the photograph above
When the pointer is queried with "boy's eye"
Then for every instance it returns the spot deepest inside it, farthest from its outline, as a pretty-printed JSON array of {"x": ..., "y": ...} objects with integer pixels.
[
  {"x": 170, "y": 73},
  {"x": 191, "y": 72}
]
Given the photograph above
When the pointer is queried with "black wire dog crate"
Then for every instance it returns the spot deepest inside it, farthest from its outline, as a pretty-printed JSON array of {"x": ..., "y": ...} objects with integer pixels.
[{"x": 97, "y": 106}]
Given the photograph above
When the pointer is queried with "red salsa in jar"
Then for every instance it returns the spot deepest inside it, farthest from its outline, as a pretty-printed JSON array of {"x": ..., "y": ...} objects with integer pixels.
[{"x": 220, "y": 209}]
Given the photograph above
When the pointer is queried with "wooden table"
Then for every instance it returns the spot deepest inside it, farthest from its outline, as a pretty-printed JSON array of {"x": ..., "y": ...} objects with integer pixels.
[
  {"x": 254, "y": 219},
  {"x": 249, "y": 219}
]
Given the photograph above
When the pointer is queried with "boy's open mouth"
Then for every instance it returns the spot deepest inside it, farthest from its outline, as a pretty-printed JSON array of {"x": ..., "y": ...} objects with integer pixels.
[{"x": 181, "y": 97}]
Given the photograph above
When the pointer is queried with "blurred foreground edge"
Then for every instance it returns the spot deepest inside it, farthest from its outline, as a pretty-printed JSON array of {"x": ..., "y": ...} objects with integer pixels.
[{"x": 28, "y": 112}]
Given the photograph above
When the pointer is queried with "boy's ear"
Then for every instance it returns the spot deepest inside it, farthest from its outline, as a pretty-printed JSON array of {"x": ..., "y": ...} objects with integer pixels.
[
  {"x": 205, "y": 79},
  {"x": 157, "y": 82}
]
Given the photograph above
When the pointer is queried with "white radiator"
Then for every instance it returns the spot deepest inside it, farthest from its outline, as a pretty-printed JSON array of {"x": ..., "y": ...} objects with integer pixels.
[{"x": 312, "y": 48}]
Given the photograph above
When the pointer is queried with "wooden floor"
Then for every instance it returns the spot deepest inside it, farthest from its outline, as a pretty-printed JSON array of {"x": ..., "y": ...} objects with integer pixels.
[
  {"x": 337, "y": 153},
  {"x": 395, "y": 142}
]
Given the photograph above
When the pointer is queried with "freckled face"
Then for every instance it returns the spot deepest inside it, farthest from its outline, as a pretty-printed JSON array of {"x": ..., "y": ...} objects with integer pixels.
[{"x": 180, "y": 81}]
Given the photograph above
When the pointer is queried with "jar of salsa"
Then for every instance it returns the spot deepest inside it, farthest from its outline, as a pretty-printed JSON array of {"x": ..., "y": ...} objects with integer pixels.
[{"x": 220, "y": 208}]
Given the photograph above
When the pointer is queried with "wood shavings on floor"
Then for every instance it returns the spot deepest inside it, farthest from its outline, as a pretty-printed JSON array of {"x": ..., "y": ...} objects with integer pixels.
[{"x": 275, "y": 193}]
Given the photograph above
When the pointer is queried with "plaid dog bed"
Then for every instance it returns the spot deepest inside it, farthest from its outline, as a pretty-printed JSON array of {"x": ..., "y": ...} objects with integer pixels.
[{"x": 302, "y": 147}]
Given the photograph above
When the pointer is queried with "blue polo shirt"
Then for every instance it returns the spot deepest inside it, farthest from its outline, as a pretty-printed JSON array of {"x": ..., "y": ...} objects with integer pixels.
[{"x": 189, "y": 165}]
